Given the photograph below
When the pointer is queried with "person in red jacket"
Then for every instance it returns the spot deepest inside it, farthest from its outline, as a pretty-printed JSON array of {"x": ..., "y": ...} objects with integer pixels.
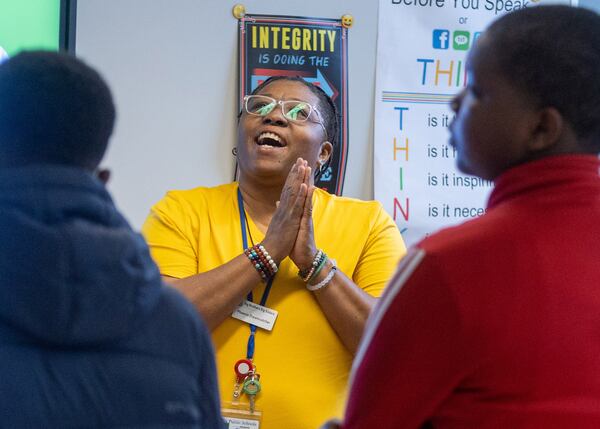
[{"x": 496, "y": 323}]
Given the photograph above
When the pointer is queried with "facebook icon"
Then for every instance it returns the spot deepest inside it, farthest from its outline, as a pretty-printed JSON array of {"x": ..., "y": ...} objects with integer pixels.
[{"x": 441, "y": 39}]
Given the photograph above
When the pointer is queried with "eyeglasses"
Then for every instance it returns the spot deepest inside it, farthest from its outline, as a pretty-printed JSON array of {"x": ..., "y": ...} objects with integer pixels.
[{"x": 293, "y": 110}]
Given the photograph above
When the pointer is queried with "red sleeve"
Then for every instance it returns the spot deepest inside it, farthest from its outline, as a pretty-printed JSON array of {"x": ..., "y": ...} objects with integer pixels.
[{"x": 413, "y": 352}]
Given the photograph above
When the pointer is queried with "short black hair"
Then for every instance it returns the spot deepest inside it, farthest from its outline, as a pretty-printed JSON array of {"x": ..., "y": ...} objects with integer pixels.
[
  {"x": 54, "y": 109},
  {"x": 552, "y": 54},
  {"x": 326, "y": 106}
]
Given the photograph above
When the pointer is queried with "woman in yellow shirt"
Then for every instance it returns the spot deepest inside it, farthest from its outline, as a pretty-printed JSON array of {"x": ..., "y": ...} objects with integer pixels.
[{"x": 271, "y": 238}]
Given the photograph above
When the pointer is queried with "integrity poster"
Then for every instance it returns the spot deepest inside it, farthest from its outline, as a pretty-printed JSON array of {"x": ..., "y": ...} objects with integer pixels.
[{"x": 312, "y": 48}]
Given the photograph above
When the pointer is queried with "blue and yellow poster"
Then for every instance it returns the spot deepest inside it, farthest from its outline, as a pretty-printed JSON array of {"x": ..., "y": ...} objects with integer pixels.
[{"x": 312, "y": 48}]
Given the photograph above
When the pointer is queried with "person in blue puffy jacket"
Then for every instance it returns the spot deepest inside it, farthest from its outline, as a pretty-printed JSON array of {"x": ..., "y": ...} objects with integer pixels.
[{"x": 89, "y": 336}]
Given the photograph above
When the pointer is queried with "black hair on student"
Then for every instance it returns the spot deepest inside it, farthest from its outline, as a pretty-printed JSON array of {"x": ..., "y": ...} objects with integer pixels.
[
  {"x": 326, "y": 106},
  {"x": 552, "y": 53},
  {"x": 54, "y": 109}
]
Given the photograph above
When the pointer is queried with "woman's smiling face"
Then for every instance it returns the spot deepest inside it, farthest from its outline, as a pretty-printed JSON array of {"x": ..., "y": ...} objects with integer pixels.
[{"x": 269, "y": 145}]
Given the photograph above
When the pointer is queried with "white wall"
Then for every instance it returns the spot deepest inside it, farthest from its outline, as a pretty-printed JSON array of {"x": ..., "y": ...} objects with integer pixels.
[
  {"x": 590, "y": 4},
  {"x": 172, "y": 66}
]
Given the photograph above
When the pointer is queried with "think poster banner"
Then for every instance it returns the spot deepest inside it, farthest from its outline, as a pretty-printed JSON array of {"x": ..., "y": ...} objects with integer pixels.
[{"x": 421, "y": 52}]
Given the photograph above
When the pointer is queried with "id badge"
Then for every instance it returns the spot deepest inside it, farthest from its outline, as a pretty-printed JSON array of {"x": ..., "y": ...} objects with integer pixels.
[
  {"x": 238, "y": 416},
  {"x": 255, "y": 314}
]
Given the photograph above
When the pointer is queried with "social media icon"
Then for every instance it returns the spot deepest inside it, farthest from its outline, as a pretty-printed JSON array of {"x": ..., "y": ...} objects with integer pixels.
[
  {"x": 441, "y": 39},
  {"x": 461, "y": 40},
  {"x": 476, "y": 36}
]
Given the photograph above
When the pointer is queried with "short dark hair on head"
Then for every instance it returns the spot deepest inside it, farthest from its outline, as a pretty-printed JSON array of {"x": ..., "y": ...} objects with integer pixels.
[
  {"x": 326, "y": 106},
  {"x": 54, "y": 109},
  {"x": 552, "y": 53}
]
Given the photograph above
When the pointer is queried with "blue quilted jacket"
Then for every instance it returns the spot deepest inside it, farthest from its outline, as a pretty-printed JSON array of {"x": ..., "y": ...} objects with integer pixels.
[{"x": 89, "y": 336}]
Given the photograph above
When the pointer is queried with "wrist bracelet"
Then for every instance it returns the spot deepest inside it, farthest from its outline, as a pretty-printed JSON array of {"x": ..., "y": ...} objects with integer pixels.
[
  {"x": 306, "y": 275},
  {"x": 325, "y": 281},
  {"x": 270, "y": 260},
  {"x": 318, "y": 269},
  {"x": 261, "y": 261}
]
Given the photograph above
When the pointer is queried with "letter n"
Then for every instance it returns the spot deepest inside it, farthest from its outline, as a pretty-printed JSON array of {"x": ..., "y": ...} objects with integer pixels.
[{"x": 403, "y": 210}]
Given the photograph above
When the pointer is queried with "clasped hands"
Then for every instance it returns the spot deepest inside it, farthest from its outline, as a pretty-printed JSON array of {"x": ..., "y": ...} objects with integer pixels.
[{"x": 291, "y": 231}]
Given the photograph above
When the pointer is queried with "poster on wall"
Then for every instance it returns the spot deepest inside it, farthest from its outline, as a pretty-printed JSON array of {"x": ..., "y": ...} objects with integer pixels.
[
  {"x": 315, "y": 49},
  {"x": 421, "y": 52}
]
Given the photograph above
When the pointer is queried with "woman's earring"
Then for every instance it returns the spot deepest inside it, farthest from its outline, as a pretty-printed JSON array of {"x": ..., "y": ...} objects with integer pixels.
[
  {"x": 234, "y": 151},
  {"x": 322, "y": 163},
  {"x": 321, "y": 169}
]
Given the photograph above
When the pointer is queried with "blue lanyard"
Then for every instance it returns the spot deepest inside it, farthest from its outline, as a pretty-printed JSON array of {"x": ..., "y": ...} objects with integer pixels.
[{"x": 265, "y": 295}]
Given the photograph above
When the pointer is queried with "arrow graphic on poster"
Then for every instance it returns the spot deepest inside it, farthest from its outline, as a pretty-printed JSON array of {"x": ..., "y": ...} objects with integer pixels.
[
  {"x": 260, "y": 75},
  {"x": 324, "y": 84}
]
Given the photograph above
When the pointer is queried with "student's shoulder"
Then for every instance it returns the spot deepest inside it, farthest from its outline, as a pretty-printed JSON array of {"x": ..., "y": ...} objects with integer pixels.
[
  {"x": 180, "y": 321},
  {"x": 470, "y": 237},
  {"x": 177, "y": 307}
]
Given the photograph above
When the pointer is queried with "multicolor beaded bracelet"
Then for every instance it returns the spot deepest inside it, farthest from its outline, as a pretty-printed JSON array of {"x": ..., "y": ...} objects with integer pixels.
[
  {"x": 319, "y": 268},
  {"x": 325, "y": 281},
  {"x": 261, "y": 261},
  {"x": 317, "y": 264},
  {"x": 270, "y": 261}
]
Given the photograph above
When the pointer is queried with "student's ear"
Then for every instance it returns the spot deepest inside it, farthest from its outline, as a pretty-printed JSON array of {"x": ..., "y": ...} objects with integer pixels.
[
  {"x": 547, "y": 131},
  {"x": 103, "y": 174}
]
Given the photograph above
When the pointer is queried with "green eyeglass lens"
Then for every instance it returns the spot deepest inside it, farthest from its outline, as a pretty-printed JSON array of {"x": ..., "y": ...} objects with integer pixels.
[
  {"x": 297, "y": 112},
  {"x": 293, "y": 113},
  {"x": 266, "y": 109}
]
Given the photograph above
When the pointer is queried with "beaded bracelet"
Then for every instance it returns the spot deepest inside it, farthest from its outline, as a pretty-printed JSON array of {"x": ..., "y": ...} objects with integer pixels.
[
  {"x": 261, "y": 261},
  {"x": 303, "y": 274},
  {"x": 306, "y": 275},
  {"x": 270, "y": 261},
  {"x": 325, "y": 281},
  {"x": 256, "y": 263},
  {"x": 319, "y": 268}
]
